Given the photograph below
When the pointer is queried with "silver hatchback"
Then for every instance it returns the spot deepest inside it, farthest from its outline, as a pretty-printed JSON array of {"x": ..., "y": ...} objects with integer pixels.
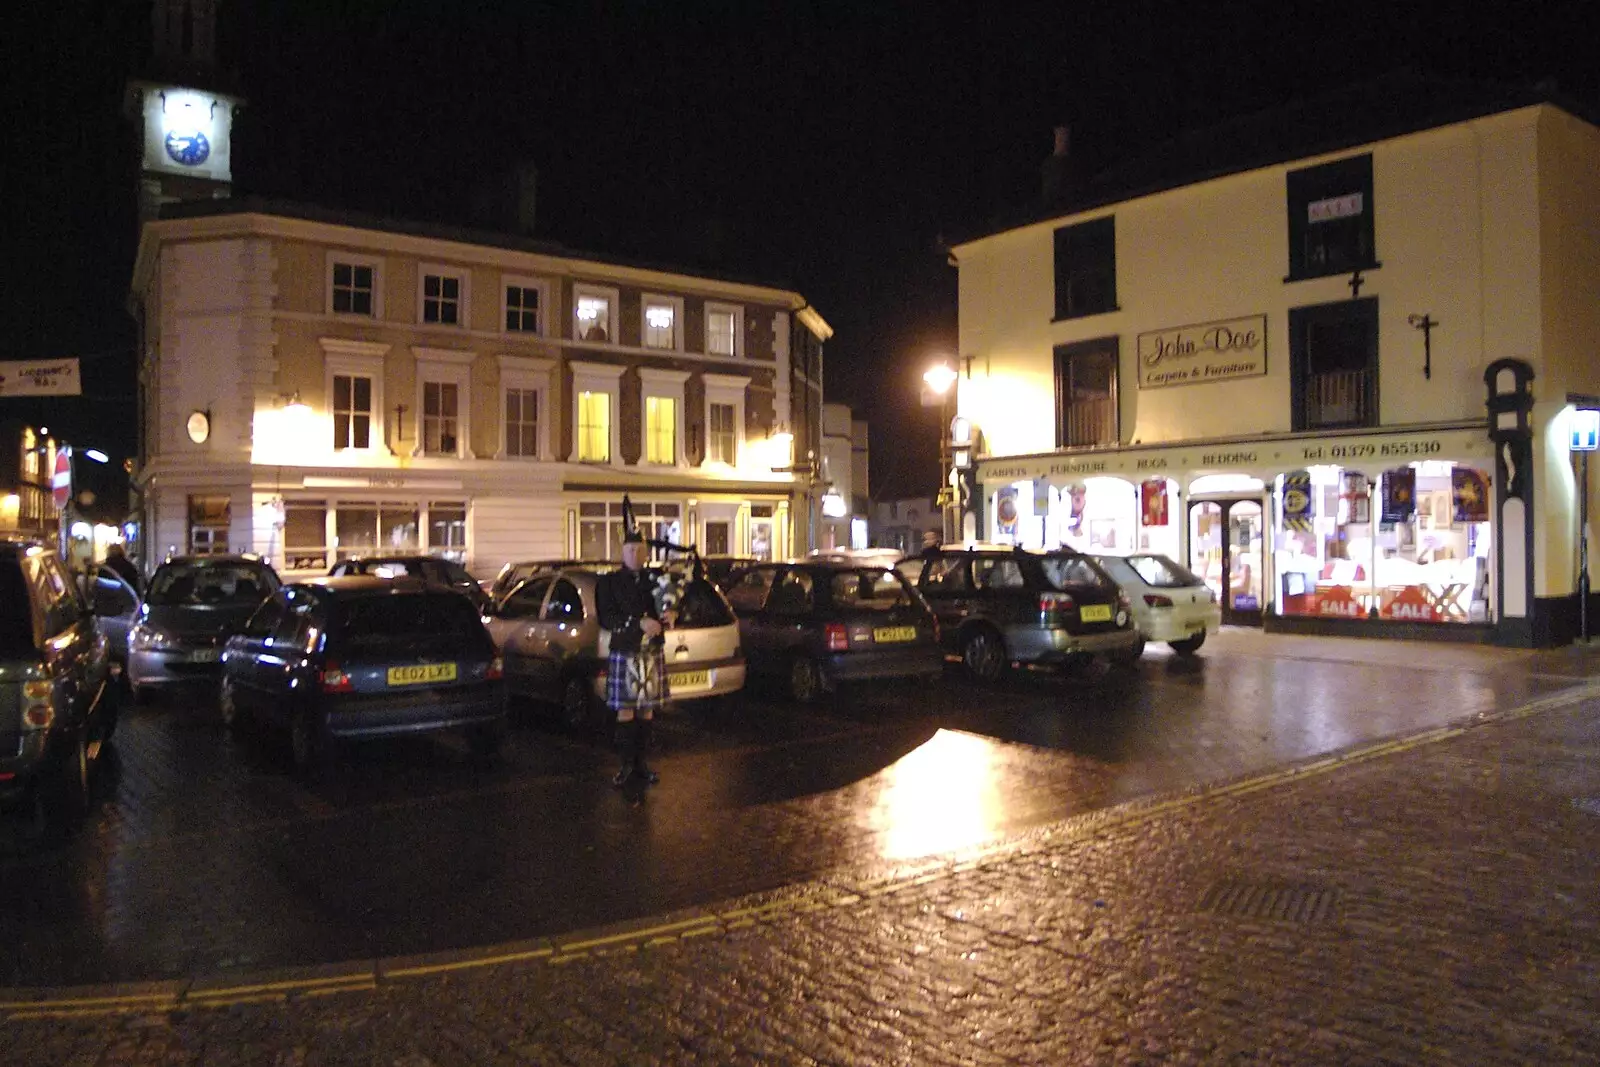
[{"x": 559, "y": 654}]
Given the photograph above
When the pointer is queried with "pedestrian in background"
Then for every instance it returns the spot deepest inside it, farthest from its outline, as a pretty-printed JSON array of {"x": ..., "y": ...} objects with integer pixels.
[
  {"x": 118, "y": 563},
  {"x": 636, "y": 672}
]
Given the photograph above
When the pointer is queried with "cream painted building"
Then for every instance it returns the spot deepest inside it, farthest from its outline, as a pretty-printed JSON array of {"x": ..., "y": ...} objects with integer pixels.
[
  {"x": 318, "y": 385},
  {"x": 1275, "y": 370}
]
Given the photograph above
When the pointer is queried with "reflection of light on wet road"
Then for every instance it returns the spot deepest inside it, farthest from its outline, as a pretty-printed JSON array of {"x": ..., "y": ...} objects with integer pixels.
[{"x": 942, "y": 795}]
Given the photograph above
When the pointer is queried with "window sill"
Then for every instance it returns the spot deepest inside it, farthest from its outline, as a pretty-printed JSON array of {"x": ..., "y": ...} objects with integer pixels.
[
  {"x": 1341, "y": 273},
  {"x": 1087, "y": 314}
]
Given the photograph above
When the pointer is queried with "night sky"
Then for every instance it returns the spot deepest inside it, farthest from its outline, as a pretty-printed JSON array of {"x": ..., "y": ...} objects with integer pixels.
[{"x": 823, "y": 147}]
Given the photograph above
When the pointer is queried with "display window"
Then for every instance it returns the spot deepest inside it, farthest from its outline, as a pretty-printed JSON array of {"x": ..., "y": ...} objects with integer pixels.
[
  {"x": 1096, "y": 515},
  {"x": 1406, "y": 544}
]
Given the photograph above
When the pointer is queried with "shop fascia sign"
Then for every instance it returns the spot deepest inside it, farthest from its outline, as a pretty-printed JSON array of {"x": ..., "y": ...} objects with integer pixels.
[
  {"x": 1373, "y": 452},
  {"x": 1203, "y": 352}
]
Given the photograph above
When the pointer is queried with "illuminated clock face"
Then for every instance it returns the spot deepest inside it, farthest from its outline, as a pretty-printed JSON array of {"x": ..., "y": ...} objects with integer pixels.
[
  {"x": 190, "y": 149},
  {"x": 199, "y": 427}
]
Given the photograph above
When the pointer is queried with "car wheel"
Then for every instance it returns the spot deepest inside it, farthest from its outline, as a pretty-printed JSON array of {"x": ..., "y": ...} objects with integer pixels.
[
  {"x": 70, "y": 792},
  {"x": 577, "y": 703},
  {"x": 309, "y": 745},
  {"x": 805, "y": 679},
  {"x": 1133, "y": 652},
  {"x": 1189, "y": 645},
  {"x": 228, "y": 707},
  {"x": 110, "y": 710},
  {"x": 983, "y": 653}
]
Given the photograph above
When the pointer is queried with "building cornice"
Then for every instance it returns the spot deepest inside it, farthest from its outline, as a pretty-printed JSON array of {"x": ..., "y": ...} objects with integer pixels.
[{"x": 253, "y": 218}]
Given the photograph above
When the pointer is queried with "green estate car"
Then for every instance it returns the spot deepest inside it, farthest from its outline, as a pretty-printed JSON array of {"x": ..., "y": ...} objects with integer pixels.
[{"x": 57, "y": 703}]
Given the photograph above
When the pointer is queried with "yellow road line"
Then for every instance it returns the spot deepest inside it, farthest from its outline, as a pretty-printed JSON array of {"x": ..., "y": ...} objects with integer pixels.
[{"x": 828, "y": 895}]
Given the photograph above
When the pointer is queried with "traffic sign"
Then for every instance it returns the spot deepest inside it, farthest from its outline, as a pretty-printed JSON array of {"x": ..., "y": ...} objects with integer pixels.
[{"x": 61, "y": 480}]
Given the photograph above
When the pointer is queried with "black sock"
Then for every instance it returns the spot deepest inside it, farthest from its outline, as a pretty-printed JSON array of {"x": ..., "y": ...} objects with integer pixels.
[{"x": 642, "y": 731}]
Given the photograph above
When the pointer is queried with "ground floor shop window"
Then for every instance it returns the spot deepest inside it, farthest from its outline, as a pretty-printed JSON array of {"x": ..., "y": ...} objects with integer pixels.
[
  {"x": 447, "y": 530},
  {"x": 208, "y": 525},
  {"x": 600, "y": 528},
  {"x": 1110, "y": 515},
  {"x": 305, "y": 535},
  {"x": 762, "y": 532},
  {"x": 319, "y": 533},
  {"x": 1406, "y": 544}
]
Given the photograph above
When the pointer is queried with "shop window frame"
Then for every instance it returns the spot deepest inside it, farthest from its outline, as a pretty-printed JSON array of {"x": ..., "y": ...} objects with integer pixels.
[
  {"x": 1064, "y": 357},
  {"x": 1086, "y": 268},
  {"x": 444, "y": 367},
  {"x": 460, "y": 305},
  {"x": 1364, "y": 393},
  {"x": 1332, "y": 183}
]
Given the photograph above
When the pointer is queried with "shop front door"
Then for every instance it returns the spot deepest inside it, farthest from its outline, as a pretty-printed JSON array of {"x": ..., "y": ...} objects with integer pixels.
[{"x": 1225, "y": 548}]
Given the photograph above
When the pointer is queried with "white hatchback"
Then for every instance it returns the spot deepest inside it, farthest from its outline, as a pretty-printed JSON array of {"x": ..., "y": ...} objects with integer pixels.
[{"x": 1170, "y": 603}]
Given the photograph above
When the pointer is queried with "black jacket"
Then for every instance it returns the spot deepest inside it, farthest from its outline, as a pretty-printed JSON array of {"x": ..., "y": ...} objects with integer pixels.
[{"x": 622, "y": 598}]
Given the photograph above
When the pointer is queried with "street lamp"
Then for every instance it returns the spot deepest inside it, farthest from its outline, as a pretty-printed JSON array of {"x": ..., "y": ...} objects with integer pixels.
[{"x": 939, "y": 383}]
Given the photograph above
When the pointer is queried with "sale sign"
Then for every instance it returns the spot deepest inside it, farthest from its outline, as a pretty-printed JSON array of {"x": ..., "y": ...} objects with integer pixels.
[{"x": 1339, "y": 602}]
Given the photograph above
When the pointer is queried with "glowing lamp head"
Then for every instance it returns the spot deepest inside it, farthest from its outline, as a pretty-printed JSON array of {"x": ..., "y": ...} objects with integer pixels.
[{"x": 940, "y": 377}]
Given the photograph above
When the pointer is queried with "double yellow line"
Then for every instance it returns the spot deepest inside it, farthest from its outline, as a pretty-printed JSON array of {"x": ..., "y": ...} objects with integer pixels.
[{"x": 820, "y": 895}]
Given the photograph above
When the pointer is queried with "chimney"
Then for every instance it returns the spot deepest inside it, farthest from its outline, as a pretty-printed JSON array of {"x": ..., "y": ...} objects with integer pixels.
[{"x": 1057, "y": 184}]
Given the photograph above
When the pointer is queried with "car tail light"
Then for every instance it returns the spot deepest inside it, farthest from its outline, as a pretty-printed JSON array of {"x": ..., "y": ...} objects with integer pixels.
[
  {"x": 336, "y": 681},
  {"x": 1157, "y": 601},
  {"x": 838, "y": 637},
  {"x": 38, "y": 711},
  {"x": 1055, "y": 602},
  {"x": 496, "y": 670}
]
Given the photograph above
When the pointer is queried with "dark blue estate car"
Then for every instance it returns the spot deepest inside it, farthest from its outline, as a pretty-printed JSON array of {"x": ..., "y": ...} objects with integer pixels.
[{"x": 337, "y": 659}]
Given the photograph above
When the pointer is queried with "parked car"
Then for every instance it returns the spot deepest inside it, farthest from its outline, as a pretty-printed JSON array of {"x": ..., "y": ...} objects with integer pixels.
[
  {"x": 720, "y": 568},
  {"x": 116, "y": 609},
  {"x": 519, "y": 604},
  {"x": 334, "y": 659},
  {"x": 1170, "y": 603},
  {"x": 999, "y": 605},
  {"x": 811, "y": 624},
  {"x": 194, "y": 604},
  {"x": 57, "y": 706},
  {"x": 434, "y": 569},
  {"x": 517, "y": 570},
  {"x": 559, "y": 656}
]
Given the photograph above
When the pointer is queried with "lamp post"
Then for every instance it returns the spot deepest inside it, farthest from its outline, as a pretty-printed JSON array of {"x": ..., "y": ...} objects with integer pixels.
[
  {"x": 69, "y": 483},
  {"x": 939, "y": 390}
]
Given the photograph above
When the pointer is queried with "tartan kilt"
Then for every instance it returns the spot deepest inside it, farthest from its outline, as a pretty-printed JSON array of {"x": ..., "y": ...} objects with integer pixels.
[{"x": 637, "y": 680}]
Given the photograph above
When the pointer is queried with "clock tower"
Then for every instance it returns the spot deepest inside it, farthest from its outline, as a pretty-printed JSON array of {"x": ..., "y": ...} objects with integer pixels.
[{"x": 186, "y": 121}]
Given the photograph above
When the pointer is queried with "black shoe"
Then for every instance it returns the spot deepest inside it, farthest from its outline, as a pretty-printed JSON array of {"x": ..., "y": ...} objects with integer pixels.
[{"x": 645, "y": 774}]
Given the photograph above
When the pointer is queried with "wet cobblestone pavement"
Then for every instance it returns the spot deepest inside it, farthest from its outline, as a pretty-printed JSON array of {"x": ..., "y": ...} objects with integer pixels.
[{"x": 1430, "y": 901}]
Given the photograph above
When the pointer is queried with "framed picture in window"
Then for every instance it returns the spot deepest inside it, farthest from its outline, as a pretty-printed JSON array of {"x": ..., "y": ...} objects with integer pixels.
[{"x": 1443, "y": 511}]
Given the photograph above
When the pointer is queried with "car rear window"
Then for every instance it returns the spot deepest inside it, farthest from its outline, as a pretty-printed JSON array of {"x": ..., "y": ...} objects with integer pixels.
[
  {"x": 870, "y": 590},
  {"x": 410, "y": 624},
  {"x": 701, "y": 607},
  {"x": 1067, "y": 572},
  {"x": 16, "y": 613},
  {"x": 209, "y": 583},
  {"x": 1163, "y": 573}
]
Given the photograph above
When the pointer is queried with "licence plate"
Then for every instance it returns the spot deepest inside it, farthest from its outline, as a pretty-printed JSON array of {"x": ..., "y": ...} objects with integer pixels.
[
  {"x": 421, "y": 673},
  {"x": 686, "y": 681},
  {"x": 1095, "y": 613},
  {"x": 895, "y": 633},
  {"x": 205, "y": 655}
]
